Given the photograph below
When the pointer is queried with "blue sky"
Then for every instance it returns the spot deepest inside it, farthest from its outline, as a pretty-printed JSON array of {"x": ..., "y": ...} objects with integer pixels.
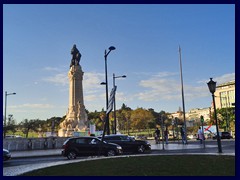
[{"x": 37, "y": 40}]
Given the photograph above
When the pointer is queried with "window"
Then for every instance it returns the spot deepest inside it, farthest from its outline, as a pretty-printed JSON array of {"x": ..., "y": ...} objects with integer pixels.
[
  {"x": 81, "y": 141},
  {"x": 115, "y": 138},
  {"x": 125, "y": 138}
]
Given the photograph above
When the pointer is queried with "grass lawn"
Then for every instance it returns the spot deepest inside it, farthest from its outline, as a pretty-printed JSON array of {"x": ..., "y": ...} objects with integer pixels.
[{"x": 172, "y": 165}]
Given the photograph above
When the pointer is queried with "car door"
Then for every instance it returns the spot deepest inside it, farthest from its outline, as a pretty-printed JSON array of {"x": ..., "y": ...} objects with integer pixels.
[
  {"x": 82, "y": 146},
  {"x": 129, "y": 144},
  {"x": 95, "y": 146},
  {"x": 123, "y": 141}
]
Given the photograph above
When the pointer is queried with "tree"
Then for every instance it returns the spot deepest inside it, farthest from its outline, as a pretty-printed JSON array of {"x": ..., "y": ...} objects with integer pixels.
[
  {"x": 10, "y": 125},
  {"x": 226, "y": 118},
  {"x": 140, "y": 118},
  {"x": 155, "y": 120},
  {"x": 27, "y": 125},
  {"x": 52, "y": 123},
  {"x": 97, "y": 118}
]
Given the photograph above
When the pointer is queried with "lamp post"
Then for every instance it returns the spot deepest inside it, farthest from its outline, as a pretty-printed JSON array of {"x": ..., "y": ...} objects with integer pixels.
[
  {"x": 111, "y": 48},
  {"x": 5, "y": 112},
  {"x": 115, "y": 120},
  {"x": 212, "y": 87}
]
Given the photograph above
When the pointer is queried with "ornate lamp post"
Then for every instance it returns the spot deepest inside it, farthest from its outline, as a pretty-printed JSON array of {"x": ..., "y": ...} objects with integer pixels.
[
  {"x": 212, "y": 88},
  {"x": 115, "y": 120},
  {"x": 111, "y": 48},
  {"x": 5, "y": 112}
]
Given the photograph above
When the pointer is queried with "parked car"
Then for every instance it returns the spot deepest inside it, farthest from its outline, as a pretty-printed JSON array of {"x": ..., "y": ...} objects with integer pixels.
[
  {"x": 89, "y": 146},
  {"x": 191, "y": 136},
  {"x": 13, "y": 136},
  {"x": 6, "y": 155},
  {"x": 129, "y": 144},
  {"x": 223, "y": 135}
]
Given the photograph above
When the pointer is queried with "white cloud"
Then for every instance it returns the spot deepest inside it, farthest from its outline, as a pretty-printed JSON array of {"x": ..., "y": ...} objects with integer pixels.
[
  {"x": 122, "y": 97},
  {"x": 221, "y": 79},
  {"x": 91, "y": 81},
  {"x": 224, "y": 78},
  {"x": 51, "y": 69},
  {"x": 58, "y": 79},
  {"x": 164, "y": 74},
  {"x": 162, "y": 87},
  {"x": 28, "y": 105},
  {"x": 159, "y": 88}
]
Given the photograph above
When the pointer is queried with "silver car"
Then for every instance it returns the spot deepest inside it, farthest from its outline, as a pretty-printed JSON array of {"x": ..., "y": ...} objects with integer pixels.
[{"x": 6, "y": 155}]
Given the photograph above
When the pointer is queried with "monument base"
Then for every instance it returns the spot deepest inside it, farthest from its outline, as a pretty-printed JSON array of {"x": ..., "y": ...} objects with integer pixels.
[
  {"x": 65, "y": 133},
  {"x": 69, "y": 133}
]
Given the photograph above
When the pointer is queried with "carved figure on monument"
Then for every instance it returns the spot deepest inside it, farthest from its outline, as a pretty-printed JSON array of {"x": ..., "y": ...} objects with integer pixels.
[
  {"x": 79, "y": 110},
  {"x": 76, "y": 56}
]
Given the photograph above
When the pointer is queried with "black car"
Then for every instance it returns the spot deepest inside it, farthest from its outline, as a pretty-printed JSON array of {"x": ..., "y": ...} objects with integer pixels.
[
  {"x": 129, "y": 144},
  {"x": 223, "y": 135},
  {"x": 89, "y": 146},
  {"x": 6, "y": 155}
]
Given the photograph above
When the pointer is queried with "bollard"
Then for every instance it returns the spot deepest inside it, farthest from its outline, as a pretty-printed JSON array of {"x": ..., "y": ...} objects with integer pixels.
[
  {"x": 29, "y": 144},
  {"x": 54, "y": 143},
  {"x": 45, "y": 144}
]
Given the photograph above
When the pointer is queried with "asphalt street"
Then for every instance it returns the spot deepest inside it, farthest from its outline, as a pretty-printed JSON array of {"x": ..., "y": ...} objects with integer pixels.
[{"x": 173, "y": 148}]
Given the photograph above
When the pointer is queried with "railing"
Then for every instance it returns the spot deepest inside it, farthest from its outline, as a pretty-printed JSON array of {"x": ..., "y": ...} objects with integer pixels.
[{"x": 21, "y": 144}]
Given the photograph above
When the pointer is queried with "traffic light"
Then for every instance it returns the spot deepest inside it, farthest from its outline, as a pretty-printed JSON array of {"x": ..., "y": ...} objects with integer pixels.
[{"x": 202, "y": 119}]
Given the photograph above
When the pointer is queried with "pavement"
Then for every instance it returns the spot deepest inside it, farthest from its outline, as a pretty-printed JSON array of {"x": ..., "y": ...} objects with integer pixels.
[{"x": 173, "y": 148}]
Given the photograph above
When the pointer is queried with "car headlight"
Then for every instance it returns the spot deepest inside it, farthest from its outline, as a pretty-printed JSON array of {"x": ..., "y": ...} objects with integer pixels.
[{"x": 119, "y": 147}]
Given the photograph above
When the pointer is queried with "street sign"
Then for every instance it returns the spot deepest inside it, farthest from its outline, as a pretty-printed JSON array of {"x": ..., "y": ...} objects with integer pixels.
[{"x": 111, "y": 99}]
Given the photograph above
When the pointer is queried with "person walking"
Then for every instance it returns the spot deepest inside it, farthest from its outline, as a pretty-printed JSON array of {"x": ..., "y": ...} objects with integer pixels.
[
  {"x": 183, "y": 135},
  {"x": 200, "y": 135},
  {"x": 166, "y": 135},
  {"x": 157, "y": 136}
]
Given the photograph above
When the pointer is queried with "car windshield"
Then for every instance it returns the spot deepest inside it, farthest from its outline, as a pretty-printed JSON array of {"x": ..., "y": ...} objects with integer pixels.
[
  {"x": 126, "y": 138},
  {"x": 100, "y": 139}
]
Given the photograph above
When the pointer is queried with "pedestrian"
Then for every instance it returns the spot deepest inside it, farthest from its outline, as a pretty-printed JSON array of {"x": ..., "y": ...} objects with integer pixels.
[
  {"x": 183, "y": 135},
  {"x": 166, "y": 135},
  {"x": 200, "y": 135},
  {"x": 157, "y": 136}
]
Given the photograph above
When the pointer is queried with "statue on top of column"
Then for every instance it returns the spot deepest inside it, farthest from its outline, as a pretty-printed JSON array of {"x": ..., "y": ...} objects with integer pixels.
[{"x": 76, "y": 56}]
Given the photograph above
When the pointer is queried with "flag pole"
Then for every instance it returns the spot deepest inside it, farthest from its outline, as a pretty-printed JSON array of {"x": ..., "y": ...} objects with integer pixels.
[{"x": 183, "y": 104}]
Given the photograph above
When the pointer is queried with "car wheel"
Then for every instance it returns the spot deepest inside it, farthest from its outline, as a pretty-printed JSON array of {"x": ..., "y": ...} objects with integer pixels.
[
  {"x": 141, "y": 149},
  {"x": 72, "y": 155},
  {"x": 111, "y": 153}
]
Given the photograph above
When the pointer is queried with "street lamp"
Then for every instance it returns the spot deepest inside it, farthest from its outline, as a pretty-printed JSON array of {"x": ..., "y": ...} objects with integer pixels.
[
  {"x": 115, "y": 120},
  {"x": 5, "y": 113},
  {"x": 111, "y": 48},
  {"x": 212, "y": 87}
]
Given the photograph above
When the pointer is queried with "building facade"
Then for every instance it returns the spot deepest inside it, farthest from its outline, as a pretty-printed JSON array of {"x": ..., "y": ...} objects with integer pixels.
[{"x": 225, "y": 95}]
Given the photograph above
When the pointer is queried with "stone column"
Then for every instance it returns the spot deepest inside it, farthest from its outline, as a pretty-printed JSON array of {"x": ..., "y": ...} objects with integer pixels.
[{"x": 76, "y": 116}]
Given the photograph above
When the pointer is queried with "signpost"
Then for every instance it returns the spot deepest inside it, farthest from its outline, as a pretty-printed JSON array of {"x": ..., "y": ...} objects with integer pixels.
[
  {"x": 110, "y": 107},
  {"x": 111, "y": 100},
  {"x": 202, "y": 120}
]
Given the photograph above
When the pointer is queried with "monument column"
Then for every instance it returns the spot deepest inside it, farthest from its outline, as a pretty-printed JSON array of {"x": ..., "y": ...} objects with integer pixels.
[{"x": 76, "y": 116}]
